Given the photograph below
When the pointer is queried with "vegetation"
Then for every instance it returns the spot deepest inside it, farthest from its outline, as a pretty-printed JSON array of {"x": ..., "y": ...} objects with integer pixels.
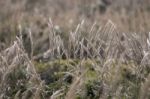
[
  {"x": 84, "y": 61},
  {"x": 102, "y": 64}
]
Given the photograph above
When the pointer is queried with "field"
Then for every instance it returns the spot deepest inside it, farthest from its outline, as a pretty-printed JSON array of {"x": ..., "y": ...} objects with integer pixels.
[{"x": 74, "y": 49}]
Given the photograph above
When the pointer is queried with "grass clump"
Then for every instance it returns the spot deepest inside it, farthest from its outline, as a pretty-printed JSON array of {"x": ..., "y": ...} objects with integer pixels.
[{"x": 101, "y": 65}]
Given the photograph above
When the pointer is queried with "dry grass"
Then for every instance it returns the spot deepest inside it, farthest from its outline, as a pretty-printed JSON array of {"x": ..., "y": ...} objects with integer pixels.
[
  {"x": 41, "y": 59},
  {"x": 118, "y": 59}
]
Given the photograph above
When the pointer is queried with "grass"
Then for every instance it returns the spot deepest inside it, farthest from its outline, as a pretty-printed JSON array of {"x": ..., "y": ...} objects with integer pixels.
[
  {"x": 103, "y": 63},
  {"x": 45, "y": 59}
]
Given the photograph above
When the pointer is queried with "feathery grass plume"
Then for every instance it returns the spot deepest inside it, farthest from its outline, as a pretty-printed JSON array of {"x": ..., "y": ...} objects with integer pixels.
[{"x": 17, "y": 75}]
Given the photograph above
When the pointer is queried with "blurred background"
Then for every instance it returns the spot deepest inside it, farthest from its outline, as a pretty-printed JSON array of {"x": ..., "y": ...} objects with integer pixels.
[{"x": 127, "y": 16}]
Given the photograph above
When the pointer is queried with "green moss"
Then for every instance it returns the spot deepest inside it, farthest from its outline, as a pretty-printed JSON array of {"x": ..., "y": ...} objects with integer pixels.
[
  {"x": 91, "y": 75},
  {"x": 62, "y": 64},
  {"x": 117, "y": 74},
  {"x": 40, "y": 66}
]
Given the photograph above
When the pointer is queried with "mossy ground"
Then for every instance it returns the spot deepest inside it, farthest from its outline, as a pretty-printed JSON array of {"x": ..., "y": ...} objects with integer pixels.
[{"x": 116, "y": 76}]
